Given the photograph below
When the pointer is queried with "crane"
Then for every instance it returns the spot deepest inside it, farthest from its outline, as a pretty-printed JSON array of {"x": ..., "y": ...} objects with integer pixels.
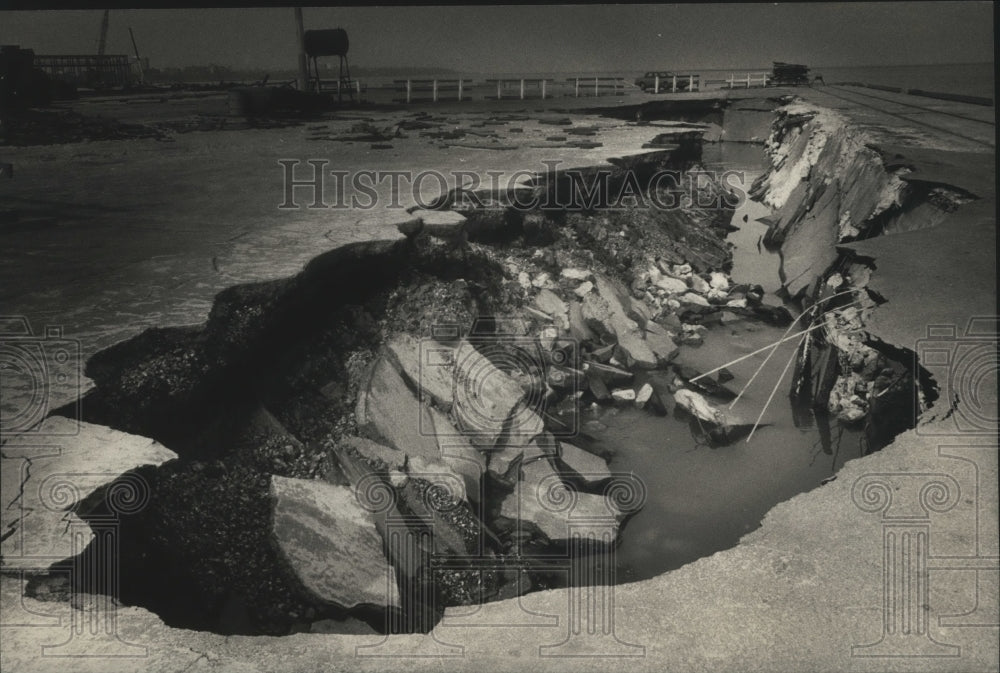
[{"x": 102, "y": 42}]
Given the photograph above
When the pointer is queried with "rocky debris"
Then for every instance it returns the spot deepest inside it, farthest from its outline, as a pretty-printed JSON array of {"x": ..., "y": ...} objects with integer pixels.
[
  {"x": 704, "y": 410},
  {"x": 604, "y": 313},
  {"x": 663, "y": 385},
  {"x": 661, "y": 341},
  {"x": 576, "y": 274},
  {"x": 623, "y": 395},
  {"x": 540, "y": 500},
  {"x": 598, "y": 388},
  {"x": 643, "y": 395},
  {"x": 440, "y": 474},
  {"x": 671, "y": 285},
  {"x": 377, "y": 455},
  {"x": 331, "y": 543},
  {"x": 608, "y": 373},
  {"x": 550, "y": 303},
  {"x": 453, "y": 527},
  {"x": 578, "y": 328},
  {"x": 52, "y": 127},
  {"x": 704, "y": 384}
]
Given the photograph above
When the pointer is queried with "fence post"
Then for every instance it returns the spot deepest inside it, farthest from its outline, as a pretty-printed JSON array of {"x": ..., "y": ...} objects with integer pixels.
[
  {"x": 357, "y": 82},
  {"x": 460, "y": 89},
  {"x": 499, "y": 83},
  {"x": 543, "y": 89},
  {"x": 748, "y": 80},
  {"x": 577, "y": 87},
  {"x": 596, "y": 90},
  {"x": 409, "y": 90},
  {"x": 673, "y": 87},
  {"x": 656, "y": 84},
  {"x": 434, "y": 91},
  {"x": 732, "y": 78},
  {"x": 690, "y": 82},
  {"x": 522, "y": 88}
]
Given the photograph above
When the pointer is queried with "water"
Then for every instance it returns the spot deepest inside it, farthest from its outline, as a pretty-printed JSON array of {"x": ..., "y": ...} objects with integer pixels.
[
  {"x": 752, "y": 263},
  {"x": 970, "y": 79},
  {"x": 701, "y": 500}
]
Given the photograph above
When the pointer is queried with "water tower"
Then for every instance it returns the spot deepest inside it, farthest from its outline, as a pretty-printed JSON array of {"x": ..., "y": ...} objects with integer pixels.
[{"x": 329, "y": 42}]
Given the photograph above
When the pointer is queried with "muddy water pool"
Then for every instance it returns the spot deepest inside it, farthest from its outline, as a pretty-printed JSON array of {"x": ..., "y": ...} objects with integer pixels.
[{"x": 700, "y": 500}]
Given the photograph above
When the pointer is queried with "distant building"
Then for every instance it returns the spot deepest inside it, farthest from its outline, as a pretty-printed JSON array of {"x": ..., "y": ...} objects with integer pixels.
[{"x": 92, "y": 71}]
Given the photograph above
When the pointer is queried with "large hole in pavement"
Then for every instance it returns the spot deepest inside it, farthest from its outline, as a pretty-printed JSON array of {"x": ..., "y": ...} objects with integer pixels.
[{"x": 578, "y": 341}]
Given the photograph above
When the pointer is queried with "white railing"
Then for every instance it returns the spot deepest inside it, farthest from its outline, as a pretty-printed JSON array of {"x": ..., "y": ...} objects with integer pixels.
[
  {"x": 671, "y": 83},
  {"x": 409, "y": 90},
  {"x": 748, "y": 80}
]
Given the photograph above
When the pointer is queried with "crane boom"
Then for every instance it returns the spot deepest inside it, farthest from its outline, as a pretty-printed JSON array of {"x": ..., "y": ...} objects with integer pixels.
[{"x": 102, "y": 42}]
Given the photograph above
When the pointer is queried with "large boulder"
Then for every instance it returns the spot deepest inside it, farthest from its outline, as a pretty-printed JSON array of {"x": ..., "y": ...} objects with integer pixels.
[{"x": 331, "y": 544}]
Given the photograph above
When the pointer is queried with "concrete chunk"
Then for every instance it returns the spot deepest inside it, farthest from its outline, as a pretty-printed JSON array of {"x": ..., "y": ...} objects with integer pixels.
[{"x": 331, "y": 543}]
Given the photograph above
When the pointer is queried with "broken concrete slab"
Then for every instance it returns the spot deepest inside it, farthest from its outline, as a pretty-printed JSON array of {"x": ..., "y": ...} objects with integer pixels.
[
  {"x": 660, "y": 342},
  {"x": 500, "y": 460},
  {"x": 427, "y": 365},
  {"x": 388, "y": 412},
  {"x": 540, "y": 500},
  {"x": 485, "y": 397},
  {"x": 331, "y": 544},
  {"x": 43, "y": 482},
  {"x": 459, "y": 454},
  {"x": 441, "y": 223},
  {"x": 581, "y": 464}
]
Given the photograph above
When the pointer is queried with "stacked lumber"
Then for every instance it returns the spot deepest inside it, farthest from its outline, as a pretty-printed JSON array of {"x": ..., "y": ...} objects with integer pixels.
[{"x": 789, "y": 73}]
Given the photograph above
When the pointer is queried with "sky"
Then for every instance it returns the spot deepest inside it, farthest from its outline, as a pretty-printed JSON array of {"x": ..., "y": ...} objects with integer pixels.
[{"x": 530, "y": 38}]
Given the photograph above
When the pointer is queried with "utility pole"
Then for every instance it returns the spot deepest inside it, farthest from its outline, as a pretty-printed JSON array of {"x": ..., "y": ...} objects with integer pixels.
[
  {"x": 138, "y": 60},
  {"x": 300, "y": 34}
]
